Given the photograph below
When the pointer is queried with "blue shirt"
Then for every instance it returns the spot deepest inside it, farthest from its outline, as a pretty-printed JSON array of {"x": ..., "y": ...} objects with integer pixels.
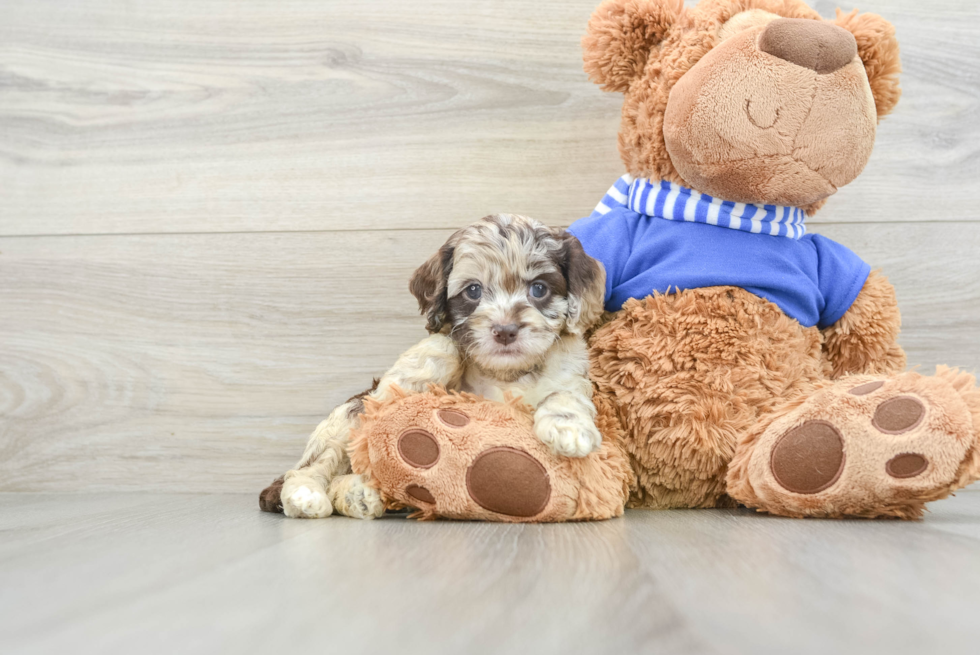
[{"x": 811, "y": 278}]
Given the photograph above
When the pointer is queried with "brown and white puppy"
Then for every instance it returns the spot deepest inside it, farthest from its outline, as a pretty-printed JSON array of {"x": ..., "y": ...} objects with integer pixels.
[{"x": 507, "y": 301}]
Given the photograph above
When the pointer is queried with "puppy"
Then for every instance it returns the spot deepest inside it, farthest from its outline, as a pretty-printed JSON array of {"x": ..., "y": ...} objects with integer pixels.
[{"x": 507, "y": 301}]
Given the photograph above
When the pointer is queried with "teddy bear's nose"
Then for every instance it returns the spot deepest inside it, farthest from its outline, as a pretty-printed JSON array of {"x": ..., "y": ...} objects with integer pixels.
[{"x": 812, "y": 44}]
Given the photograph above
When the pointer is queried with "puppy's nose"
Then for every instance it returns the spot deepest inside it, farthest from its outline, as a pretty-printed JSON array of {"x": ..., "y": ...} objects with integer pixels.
[
  {"x": 504, "y": 334},
  {"x": 812, "y": 44}
]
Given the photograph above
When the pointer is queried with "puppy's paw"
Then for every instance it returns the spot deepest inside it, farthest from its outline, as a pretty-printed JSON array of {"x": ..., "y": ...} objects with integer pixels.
[
  {"x": 568, "y": 435},
  {"x": 303, "y": 502},
  {"x": 353, "y": 496}
]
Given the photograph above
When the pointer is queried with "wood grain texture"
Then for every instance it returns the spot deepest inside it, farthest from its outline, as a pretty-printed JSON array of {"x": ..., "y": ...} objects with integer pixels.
[
  {"x": 217, "y": 115},
  {"x": 202, "y": 362},
  {"x": 144, "y": 573},
  {"x": 208, "y": 214},
  {"x": 190, "y": 361}
]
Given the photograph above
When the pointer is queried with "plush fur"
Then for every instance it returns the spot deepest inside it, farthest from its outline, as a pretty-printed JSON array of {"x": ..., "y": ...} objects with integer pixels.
[
  {"x": 865, "y": 339},
  {"x": 708, "y": 381},
  {"x": 507, "y": 301},
  {"x": 643, "y": 48},
  {"x": 946, "y": 438},
  {"x": 691, "y": 372},
  {"x": 581, "y": 488}
]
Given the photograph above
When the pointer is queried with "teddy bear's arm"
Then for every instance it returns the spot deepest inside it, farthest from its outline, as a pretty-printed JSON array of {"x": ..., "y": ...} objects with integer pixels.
[{"x": 865, "y": 339}]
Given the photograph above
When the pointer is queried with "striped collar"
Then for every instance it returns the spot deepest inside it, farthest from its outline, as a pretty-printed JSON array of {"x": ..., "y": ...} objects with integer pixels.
[{"x": 676, "y": 203}]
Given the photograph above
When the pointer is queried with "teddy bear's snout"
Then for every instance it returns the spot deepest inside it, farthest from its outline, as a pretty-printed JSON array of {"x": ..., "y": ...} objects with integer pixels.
[{"x": 812, "y": 44}]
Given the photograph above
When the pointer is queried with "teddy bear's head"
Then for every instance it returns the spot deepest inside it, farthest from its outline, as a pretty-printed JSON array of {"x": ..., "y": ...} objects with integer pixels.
[{"x": 754, "y": 101}]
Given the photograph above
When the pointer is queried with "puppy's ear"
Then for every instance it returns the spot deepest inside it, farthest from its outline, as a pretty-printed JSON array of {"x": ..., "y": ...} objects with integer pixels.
[
  {"x": 619, "y": 38},
  {"x": 428, "y": 285},
  {"x": 586, "y": 285},
  {"x": 878, "y": 49}
]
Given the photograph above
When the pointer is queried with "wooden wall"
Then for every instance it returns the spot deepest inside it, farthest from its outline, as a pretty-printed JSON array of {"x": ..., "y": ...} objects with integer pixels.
[{"x": 209, "y": 210}]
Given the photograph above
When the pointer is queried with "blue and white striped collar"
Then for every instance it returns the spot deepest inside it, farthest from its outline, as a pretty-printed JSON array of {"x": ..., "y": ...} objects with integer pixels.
[{"x": 676, "y": 203}]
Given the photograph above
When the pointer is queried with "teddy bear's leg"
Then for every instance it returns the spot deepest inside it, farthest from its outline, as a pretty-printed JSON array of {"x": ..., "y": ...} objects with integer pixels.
[
  {"x": 467, "y": 458},
  {"x": 690, "y": 373},
  {"x": 863, "y": 446},
  {"x": 355, "y": 496}
]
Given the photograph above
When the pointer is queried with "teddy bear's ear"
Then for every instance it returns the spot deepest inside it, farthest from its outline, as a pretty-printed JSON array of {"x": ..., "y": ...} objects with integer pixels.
[
  {"x": 878, "y": 49},
  {"x": 620, "y": 36}
]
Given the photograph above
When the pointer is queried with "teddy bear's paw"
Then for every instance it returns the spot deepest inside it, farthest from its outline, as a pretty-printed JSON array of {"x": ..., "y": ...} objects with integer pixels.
[
  {"x": 500, "y": 479},
  {"x": 866, "y": 447},
  {"x": 353, "y": 497},
  {"x": 305, "y": 502},
  {"x": 467, "y": 458},
  {"x": 568, "y": 435}
]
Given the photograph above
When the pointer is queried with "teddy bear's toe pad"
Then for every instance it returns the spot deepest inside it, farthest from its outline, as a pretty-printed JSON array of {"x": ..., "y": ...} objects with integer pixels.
[
  {"x": 861, "y": 448},
  {"x": 866, "y": 388},
  {"x": 453, "y": 418},
  {"x": 420, "y": 493},
  {"x": 419, "y": 448},
  {"x": 508, "y": 481},
  {"x": 898, "y": 415},
  {"x": 906, "y": 465}
]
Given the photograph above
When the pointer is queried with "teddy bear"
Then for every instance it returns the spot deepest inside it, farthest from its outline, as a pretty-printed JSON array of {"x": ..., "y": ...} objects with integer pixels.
[
  {"x": 740, "y": 359},
  {"x": 749, "y": 361}
]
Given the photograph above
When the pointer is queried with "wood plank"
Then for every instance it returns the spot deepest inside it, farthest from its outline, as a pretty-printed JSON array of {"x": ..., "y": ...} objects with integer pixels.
[
  {"x": 211, "y": 116},
  {"x": 148, "y": 573},
  {"x": 202, "y": 362},
  {"x": 144, "y": 353},
  {"x": 934, "y": 269}
]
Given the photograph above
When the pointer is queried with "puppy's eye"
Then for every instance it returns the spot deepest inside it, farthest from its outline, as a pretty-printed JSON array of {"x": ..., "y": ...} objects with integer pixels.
[
  {"x": 474, "y": 292},
  {"x": 539, "y": 290}
]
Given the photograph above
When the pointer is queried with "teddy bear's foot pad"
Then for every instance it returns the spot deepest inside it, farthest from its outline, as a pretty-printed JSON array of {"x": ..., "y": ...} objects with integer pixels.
[
  {"x": 508, "y": 481},
  {"x": 459, "y": 456},
  {"x": 808, "y": 459},
  {"x": 861, "y": 447},
  {"x": 500, "y": 479}
]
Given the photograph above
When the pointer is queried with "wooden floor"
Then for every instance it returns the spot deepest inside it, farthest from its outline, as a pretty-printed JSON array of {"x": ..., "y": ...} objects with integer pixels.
[{"x": 150, "y": 573}]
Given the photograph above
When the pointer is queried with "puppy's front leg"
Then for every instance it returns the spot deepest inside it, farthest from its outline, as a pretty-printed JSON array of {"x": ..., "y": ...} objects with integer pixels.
[
  {"x": 565, "y": 420},
  {"x": 313, "y": 489},
  {"x": 433, "y": 360},
  {"x": 565, "y": 415}
]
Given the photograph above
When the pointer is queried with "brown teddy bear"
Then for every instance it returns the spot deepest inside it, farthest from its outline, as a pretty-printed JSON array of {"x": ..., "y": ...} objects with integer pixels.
[
  {"x": 740, "y": 359},
  {"x": 765, "y": 367}
]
